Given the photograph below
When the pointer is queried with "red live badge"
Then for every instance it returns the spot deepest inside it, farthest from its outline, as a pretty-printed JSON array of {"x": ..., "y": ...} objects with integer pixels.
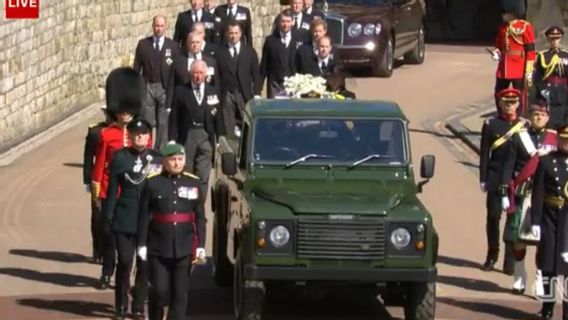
[{"x": 22, "y": 9}]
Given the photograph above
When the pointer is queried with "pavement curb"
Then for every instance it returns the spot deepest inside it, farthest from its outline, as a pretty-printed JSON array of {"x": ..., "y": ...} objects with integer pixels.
[
  {"x": 12, "y": 154},
  {"x": 455, "y": 123}
]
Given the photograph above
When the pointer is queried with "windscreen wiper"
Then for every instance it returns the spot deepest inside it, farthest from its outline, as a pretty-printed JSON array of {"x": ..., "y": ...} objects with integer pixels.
[
  {"x": 367, "y": 158},
  {"x": 306, "y": 157}
]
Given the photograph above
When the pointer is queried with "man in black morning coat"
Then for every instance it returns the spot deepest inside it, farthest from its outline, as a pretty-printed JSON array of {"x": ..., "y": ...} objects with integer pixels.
[
  {"x": 154, "y": 57},
  {"x": 279, "y": 55},
  {"x": 196, "y": 122},
  {"x": 186, "y": 19},
  {"x": 233, "y": 11},
  {"x": 240, "y": 77}
]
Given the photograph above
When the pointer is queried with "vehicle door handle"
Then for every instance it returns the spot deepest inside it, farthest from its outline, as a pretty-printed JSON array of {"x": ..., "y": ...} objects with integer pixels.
[{"x": 234, "y": 199}]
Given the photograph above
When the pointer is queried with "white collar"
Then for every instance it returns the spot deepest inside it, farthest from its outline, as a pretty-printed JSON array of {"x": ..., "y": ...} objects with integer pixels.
[
  {"x": 200, "y": 87},
  {"x": 326, "y": 60},
  {"x": 309, "y": 10},
  {"x": 236, "y": 45}
]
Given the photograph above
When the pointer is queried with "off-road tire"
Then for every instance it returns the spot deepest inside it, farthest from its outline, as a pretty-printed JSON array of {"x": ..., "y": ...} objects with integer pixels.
[
  {"x": 384, "y": 67},
  {"x": 417, "y": 55},
  {"x": 222, "y": 267},
  {"x": 421, "y": 301},
  {"x": 248, "y": 302}
]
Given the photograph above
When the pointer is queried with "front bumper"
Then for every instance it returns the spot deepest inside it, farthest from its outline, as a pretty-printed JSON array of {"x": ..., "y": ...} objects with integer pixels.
[
  {"x": 253, "y": 272},
  {"x": 357, "y": 55}
]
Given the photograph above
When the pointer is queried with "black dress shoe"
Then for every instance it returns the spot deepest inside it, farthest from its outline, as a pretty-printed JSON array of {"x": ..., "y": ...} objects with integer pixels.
[
  {"x": 120, "y": 315},
  {"x": 489, "y": 265},
  {"x": 104, "y": 282},
  {"x": 138, "y": 315},
  {"x": 546, "y": 315}
]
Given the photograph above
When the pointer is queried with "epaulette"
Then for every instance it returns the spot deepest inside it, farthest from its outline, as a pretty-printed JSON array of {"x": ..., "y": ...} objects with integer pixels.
[
  {"x": 153, "y": 174},
  {"x": 190, "y": 175}
]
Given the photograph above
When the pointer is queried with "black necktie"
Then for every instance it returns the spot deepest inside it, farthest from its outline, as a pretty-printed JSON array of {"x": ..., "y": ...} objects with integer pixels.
[
  {"x": 296, "y": 22},
  {"x": 323, "y": 67},
  {"x": 231, "y": 15},
  {"x": 234, "y": 50}
]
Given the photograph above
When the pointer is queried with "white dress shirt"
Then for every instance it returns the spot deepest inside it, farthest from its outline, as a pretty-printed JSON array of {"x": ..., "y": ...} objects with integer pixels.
[
  {"x": 201, "y": 89},
  {"x": 159, "y": 41}
]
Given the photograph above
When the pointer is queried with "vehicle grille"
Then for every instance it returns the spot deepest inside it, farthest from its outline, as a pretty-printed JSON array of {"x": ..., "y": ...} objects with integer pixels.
[
  {"x": 341, "y": 239},
  {"x": 335, "y": 29}
]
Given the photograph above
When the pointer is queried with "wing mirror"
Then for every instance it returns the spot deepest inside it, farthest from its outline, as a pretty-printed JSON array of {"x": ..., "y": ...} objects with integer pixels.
[
  {"x": 229, "y": 163},
  {"x": 427, "y": 165}
]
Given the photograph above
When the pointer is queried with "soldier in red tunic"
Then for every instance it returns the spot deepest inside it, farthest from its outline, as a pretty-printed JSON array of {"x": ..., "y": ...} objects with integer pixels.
[
  {"x": 515, "y": 51},
  {"x": 125, "y": 91}
]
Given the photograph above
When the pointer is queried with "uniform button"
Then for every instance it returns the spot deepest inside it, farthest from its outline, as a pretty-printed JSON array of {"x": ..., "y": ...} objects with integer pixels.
[
  {"x": 174, "y": 202},
  {"x": 556, "y": 178},
  {"x": 175, "y": 223},
  {"x": 555, "y": 169}
]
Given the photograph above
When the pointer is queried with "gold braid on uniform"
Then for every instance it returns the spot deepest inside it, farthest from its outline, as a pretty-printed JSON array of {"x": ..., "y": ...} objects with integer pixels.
[
  {"x": 566, "y": 190},
  {"x": 144, "y": 175},
  {"x": 515, "y": 33},
  {"x": 549, "y": 67}
]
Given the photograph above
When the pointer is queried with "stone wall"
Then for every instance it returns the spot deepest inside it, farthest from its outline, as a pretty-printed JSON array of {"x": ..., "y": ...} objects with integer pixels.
[
  {"x": 543, "y": 14},
  {"x": 56, "y": 65}
]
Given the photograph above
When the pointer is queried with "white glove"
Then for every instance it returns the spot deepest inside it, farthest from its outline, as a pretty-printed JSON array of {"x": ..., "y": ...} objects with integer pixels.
[
  {"x": 535, "y": 230},
  {"x": 88, "y": 187},
  {"x": 172, "y": 142},
  {"x": 505, "y": 204},
  {"x": 545, "y": 93},
  {"x": 496, "y": 56},
  {"x": 257, "y": 97},
  {"x": 482, "y": 186},
  {"x": 143, "y": 253},
  {"x": 200, "y": 254},
  {"x": 565, "y": 256}
]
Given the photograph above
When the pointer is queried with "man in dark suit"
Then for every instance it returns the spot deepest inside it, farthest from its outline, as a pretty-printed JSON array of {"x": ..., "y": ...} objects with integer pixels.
[
  {"x": 240, "y": 76},
  {"x": 154, "y": 57},
  {"x": 233, "y": 11},
  {"x": 182, "y": 63},
  {"x": 208, "y": 47},
  {"x": 308, "y": 51},
  {"x": 321, "y": 63},
  {"x": 196, "y": 122},
  {"x": 278, "y": 55},
  {"x": 300, "y": 22},
  {"x": 186, "y": 19},
  {"x": 210, "y": 6},
  {"x": 309, "y": 9}
]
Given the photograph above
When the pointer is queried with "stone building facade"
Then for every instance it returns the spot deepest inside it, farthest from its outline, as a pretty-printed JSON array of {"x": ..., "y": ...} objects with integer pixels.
[{"x": 56, "y": 65}]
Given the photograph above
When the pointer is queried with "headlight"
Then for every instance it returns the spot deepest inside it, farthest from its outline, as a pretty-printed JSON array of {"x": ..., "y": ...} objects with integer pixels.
[
  {"x": 279, "y": 236},
  {"x": 369, "y": 29},
  {"x": 400, "y": 238},
  {"x": 354, "y": 30},
  {"x": 378, "y": 28}
]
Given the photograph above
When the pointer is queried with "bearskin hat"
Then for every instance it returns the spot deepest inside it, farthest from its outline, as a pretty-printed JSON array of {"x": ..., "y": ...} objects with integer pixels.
[
  {"x": 125, "y": 91},
  {"x": 516, "y": 7}
]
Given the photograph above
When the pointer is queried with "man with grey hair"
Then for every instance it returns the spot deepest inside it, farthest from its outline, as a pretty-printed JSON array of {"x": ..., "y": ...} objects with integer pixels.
[
  {"x": 209, "y": 47},
  {"x": 196, "y": 122},
  {"x": 153, "y": 58}
]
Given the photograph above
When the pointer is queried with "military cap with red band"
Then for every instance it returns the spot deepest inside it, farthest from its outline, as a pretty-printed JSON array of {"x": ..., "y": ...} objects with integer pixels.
[
  {"x": 563, "y": 132},
  {"x": 554, "y": 32},
  {"x": 509, "y": 94}
]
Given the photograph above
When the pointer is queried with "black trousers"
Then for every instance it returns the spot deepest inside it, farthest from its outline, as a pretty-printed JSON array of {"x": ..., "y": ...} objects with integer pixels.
[
  {"x": 97, "y": 229},
  {"x": 518, "y": 84},
  {"x": 494, "y": 212},
  {"x": 109, "y": 250},
  {"x": 550, "y": 294},
  {"x": 168, "y": 279},
  {"x": 126, "y": 248}
]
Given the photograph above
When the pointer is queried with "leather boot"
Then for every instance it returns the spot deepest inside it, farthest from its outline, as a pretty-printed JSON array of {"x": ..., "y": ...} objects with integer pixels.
[
  {"x": 490, "y": 260},
  {"x": 520, "y": 278}
]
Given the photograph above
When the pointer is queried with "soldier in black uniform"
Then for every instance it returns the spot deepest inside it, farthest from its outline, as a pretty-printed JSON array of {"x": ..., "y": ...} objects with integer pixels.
[
  {"x": 171, "y": 230},
  {"x": 91, "y": 141},
  {"x": 551, "y": 77},
  {"x": 549, "y": 207},
  {"x": 519, "y": 167},
  {"x": 496, "y": 135},
  {"x": 128, "y": 170}
]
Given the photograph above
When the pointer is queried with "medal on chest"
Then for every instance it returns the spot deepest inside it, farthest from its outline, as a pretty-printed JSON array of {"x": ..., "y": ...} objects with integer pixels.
[{"x": 137, "y": 165}]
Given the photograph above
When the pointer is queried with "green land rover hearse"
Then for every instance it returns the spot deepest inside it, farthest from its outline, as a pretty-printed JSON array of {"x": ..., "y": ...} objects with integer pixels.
[{"x": 323, "y": 191}]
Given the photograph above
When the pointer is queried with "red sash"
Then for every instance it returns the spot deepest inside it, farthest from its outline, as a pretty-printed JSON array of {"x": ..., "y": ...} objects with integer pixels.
[
  {"x": 528, "y": 171},
  {"x": 180, "y": 217}
]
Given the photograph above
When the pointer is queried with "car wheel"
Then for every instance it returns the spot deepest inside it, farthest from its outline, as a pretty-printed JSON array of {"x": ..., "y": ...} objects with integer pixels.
[
  {"x": 222, "y": 267},
  {"x": 417, "y": 55},
  {"x": 420, "y": 303},
  {"x": 248, "y": 300},
  {"x": 385, "y": 64}
]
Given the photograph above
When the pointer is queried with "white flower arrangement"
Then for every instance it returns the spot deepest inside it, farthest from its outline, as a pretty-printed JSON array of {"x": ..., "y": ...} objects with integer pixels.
[{"x": 301, "y": 84}]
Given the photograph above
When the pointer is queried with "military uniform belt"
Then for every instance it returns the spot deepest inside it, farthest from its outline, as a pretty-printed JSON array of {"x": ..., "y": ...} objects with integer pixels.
[
  {"x": 174, "y": 217},
  {"x": 557, "y": 81},
  {"x": 518, "y": 53},
  {"x": 555, "y": 201}
]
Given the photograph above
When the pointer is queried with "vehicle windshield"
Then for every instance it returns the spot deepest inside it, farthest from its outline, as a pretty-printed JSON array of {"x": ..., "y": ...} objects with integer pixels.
[{"x": 333, "y": 140}]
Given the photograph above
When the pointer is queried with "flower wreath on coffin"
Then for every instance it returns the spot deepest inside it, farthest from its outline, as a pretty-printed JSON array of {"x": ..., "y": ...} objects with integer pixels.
[{"x": 307, "y": 86}]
